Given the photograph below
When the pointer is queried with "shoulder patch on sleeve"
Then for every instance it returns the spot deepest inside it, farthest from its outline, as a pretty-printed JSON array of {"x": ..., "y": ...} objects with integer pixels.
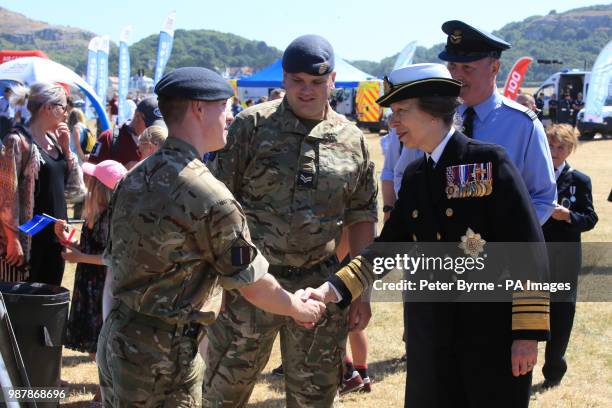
[
  {"x": 241, "y": 255},
  {"x": 517, "y": 106}
]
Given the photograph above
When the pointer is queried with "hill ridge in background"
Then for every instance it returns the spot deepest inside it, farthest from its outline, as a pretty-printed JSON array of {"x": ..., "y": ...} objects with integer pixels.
[
  {"x": 575, "y": 37},
  {"x": 68, "y": 46},
  {"x": 586, "y": 29}
]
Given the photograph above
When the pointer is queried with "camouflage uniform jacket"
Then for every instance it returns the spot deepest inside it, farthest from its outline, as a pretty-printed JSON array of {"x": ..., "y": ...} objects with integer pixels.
[
  {"x": 298, "y": 188},
  {"x": 177, "y": 236}
]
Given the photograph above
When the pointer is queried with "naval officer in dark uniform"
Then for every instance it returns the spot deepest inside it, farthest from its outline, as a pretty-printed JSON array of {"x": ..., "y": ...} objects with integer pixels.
[{"x": 461, "y": 190}]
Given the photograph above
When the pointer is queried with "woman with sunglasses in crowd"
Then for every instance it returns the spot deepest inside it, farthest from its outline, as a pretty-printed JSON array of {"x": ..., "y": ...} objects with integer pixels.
[{"x": 36, "y": 164}]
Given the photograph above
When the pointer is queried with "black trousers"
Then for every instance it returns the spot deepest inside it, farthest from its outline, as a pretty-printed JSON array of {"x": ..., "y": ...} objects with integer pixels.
[
  {"x": 456, "y": 360},
  {"x": 561, "y": 323},
  {"x": 46, "y": 262}
]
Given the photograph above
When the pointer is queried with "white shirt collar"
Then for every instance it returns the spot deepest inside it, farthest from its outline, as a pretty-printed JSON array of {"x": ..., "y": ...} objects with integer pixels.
[
  {"x": 437, "y": 152},
  {"x": 559, "y": 170}
]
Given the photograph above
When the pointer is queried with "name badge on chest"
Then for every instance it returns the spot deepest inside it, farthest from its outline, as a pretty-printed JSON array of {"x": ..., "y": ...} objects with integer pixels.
[{"x": 469, "y": 180}]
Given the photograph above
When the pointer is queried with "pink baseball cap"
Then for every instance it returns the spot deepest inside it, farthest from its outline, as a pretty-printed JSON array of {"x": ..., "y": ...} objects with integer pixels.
[{"x": 109, "y": 172}]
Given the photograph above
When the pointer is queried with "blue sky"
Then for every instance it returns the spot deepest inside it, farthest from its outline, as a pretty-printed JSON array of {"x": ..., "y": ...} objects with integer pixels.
[{"x": 358, "y": 29}]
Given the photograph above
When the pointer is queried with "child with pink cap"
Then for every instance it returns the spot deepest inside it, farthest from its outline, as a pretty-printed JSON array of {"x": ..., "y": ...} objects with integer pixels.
[{"x": 85, "y": 320}]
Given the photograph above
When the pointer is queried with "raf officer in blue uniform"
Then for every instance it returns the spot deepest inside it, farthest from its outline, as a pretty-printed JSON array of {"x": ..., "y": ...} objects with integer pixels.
[
  {"x": 473, "y": 58},
  {"x": 459, "y": 354}
]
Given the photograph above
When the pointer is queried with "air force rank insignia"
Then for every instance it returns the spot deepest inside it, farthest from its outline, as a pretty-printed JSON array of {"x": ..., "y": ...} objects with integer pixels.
[
  {"x": 306, "y": 179},
  {"x": 456, "y": 37}
]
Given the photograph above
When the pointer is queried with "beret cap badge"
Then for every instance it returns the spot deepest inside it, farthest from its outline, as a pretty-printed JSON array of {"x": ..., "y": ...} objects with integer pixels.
[{"x": 323, "y": 68}]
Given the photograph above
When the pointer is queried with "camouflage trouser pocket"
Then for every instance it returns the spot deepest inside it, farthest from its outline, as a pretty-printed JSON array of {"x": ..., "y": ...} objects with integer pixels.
[
  {"x": 239, "y": 346},
  {"x": 139, "y": 360},
  {"x": 312, "y": 359},
  {"x": 146, "y": 366},
  {"x": 329, "y": 336}
]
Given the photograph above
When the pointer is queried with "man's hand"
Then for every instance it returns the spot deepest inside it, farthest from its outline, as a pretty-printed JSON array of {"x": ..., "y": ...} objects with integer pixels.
[
  {"x": 308, "y": 312},
  {"x": 524, "y": 356},
  {"x": 359, "y": 315}
]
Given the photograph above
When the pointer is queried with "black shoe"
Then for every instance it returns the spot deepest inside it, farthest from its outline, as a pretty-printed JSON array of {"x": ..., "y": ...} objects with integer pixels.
[
  {"x": 548, "y": 384},
  {"x": 278, "y": 371}
]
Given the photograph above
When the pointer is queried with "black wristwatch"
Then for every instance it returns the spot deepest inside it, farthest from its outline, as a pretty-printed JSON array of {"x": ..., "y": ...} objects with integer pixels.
[{"x": 387, "y": 208}]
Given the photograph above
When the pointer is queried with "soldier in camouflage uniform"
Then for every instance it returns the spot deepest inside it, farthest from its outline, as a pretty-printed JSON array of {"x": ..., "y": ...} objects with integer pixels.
[
  {"x": 302, "y": 173},
  {"x": 177, "y": 237}
]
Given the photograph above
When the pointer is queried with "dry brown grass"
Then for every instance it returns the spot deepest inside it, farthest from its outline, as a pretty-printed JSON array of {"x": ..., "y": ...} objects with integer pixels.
[{"x": 588, "y": 382}]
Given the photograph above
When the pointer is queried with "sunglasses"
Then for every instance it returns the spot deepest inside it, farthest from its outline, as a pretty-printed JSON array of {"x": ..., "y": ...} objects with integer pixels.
[{"x": 64, "y": 107}]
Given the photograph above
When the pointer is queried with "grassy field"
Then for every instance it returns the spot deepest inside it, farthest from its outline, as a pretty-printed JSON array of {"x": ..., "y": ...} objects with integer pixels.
[{"x": 588, "y": 382}]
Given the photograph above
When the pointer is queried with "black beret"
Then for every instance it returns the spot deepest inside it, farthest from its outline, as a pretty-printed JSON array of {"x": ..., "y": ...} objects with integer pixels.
[
  {"x": 466, "y": 43},
  {"x": 194, "y": 83},
  {"x": 311, "y": 54}
]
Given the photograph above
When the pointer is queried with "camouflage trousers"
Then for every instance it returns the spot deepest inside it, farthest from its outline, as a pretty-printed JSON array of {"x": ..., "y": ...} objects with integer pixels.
[
  {"x": 141, "y": 365},
  {"x": 241, "y": 339}
]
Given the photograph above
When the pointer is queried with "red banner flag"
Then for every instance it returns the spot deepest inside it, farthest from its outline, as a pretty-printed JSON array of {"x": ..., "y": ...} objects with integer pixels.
[{"x": 516, "y": 76}]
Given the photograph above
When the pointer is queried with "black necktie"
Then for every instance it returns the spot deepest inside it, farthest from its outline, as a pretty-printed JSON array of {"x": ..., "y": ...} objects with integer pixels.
[
  {"x": 468, "y": 122},
  {"x": 431, "y": 164}
]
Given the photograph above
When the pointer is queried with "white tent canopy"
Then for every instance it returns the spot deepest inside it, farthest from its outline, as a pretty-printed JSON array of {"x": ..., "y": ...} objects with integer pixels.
[{"x": 29, "y": 70}]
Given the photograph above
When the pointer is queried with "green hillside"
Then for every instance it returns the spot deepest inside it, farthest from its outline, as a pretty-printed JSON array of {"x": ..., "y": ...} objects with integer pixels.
[
  {"x": 204, "y": 48},
  {"x": 575, "y": 37},
  {"x": 68, "y": 46}
]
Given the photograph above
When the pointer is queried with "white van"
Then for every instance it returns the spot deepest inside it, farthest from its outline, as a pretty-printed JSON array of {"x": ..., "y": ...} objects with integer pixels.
[{"x": 570, "y": 81}]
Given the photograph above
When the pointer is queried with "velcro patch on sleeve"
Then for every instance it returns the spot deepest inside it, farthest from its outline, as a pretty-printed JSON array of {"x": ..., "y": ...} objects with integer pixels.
[{"x": 241, "y": 256}]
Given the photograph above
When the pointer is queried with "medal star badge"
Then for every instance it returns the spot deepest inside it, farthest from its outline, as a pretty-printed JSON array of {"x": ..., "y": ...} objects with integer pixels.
[{"x": 472, "y": 244}]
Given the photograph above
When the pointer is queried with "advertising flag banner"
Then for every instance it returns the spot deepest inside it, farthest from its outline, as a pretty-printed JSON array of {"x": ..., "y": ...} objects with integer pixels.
[
  {"x": 102, "y": 75},
  {"x": 164, "y": 48},
  {"x": 124, "y": 74},
  {"x": 516, "y": 77},
  {"x": 92, "y": 70}
]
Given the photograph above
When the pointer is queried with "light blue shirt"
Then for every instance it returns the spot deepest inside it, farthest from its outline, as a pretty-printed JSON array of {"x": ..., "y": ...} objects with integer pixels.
[
  {"x": 502, "y": 121},
  {"x": 396, "y": 159}
]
